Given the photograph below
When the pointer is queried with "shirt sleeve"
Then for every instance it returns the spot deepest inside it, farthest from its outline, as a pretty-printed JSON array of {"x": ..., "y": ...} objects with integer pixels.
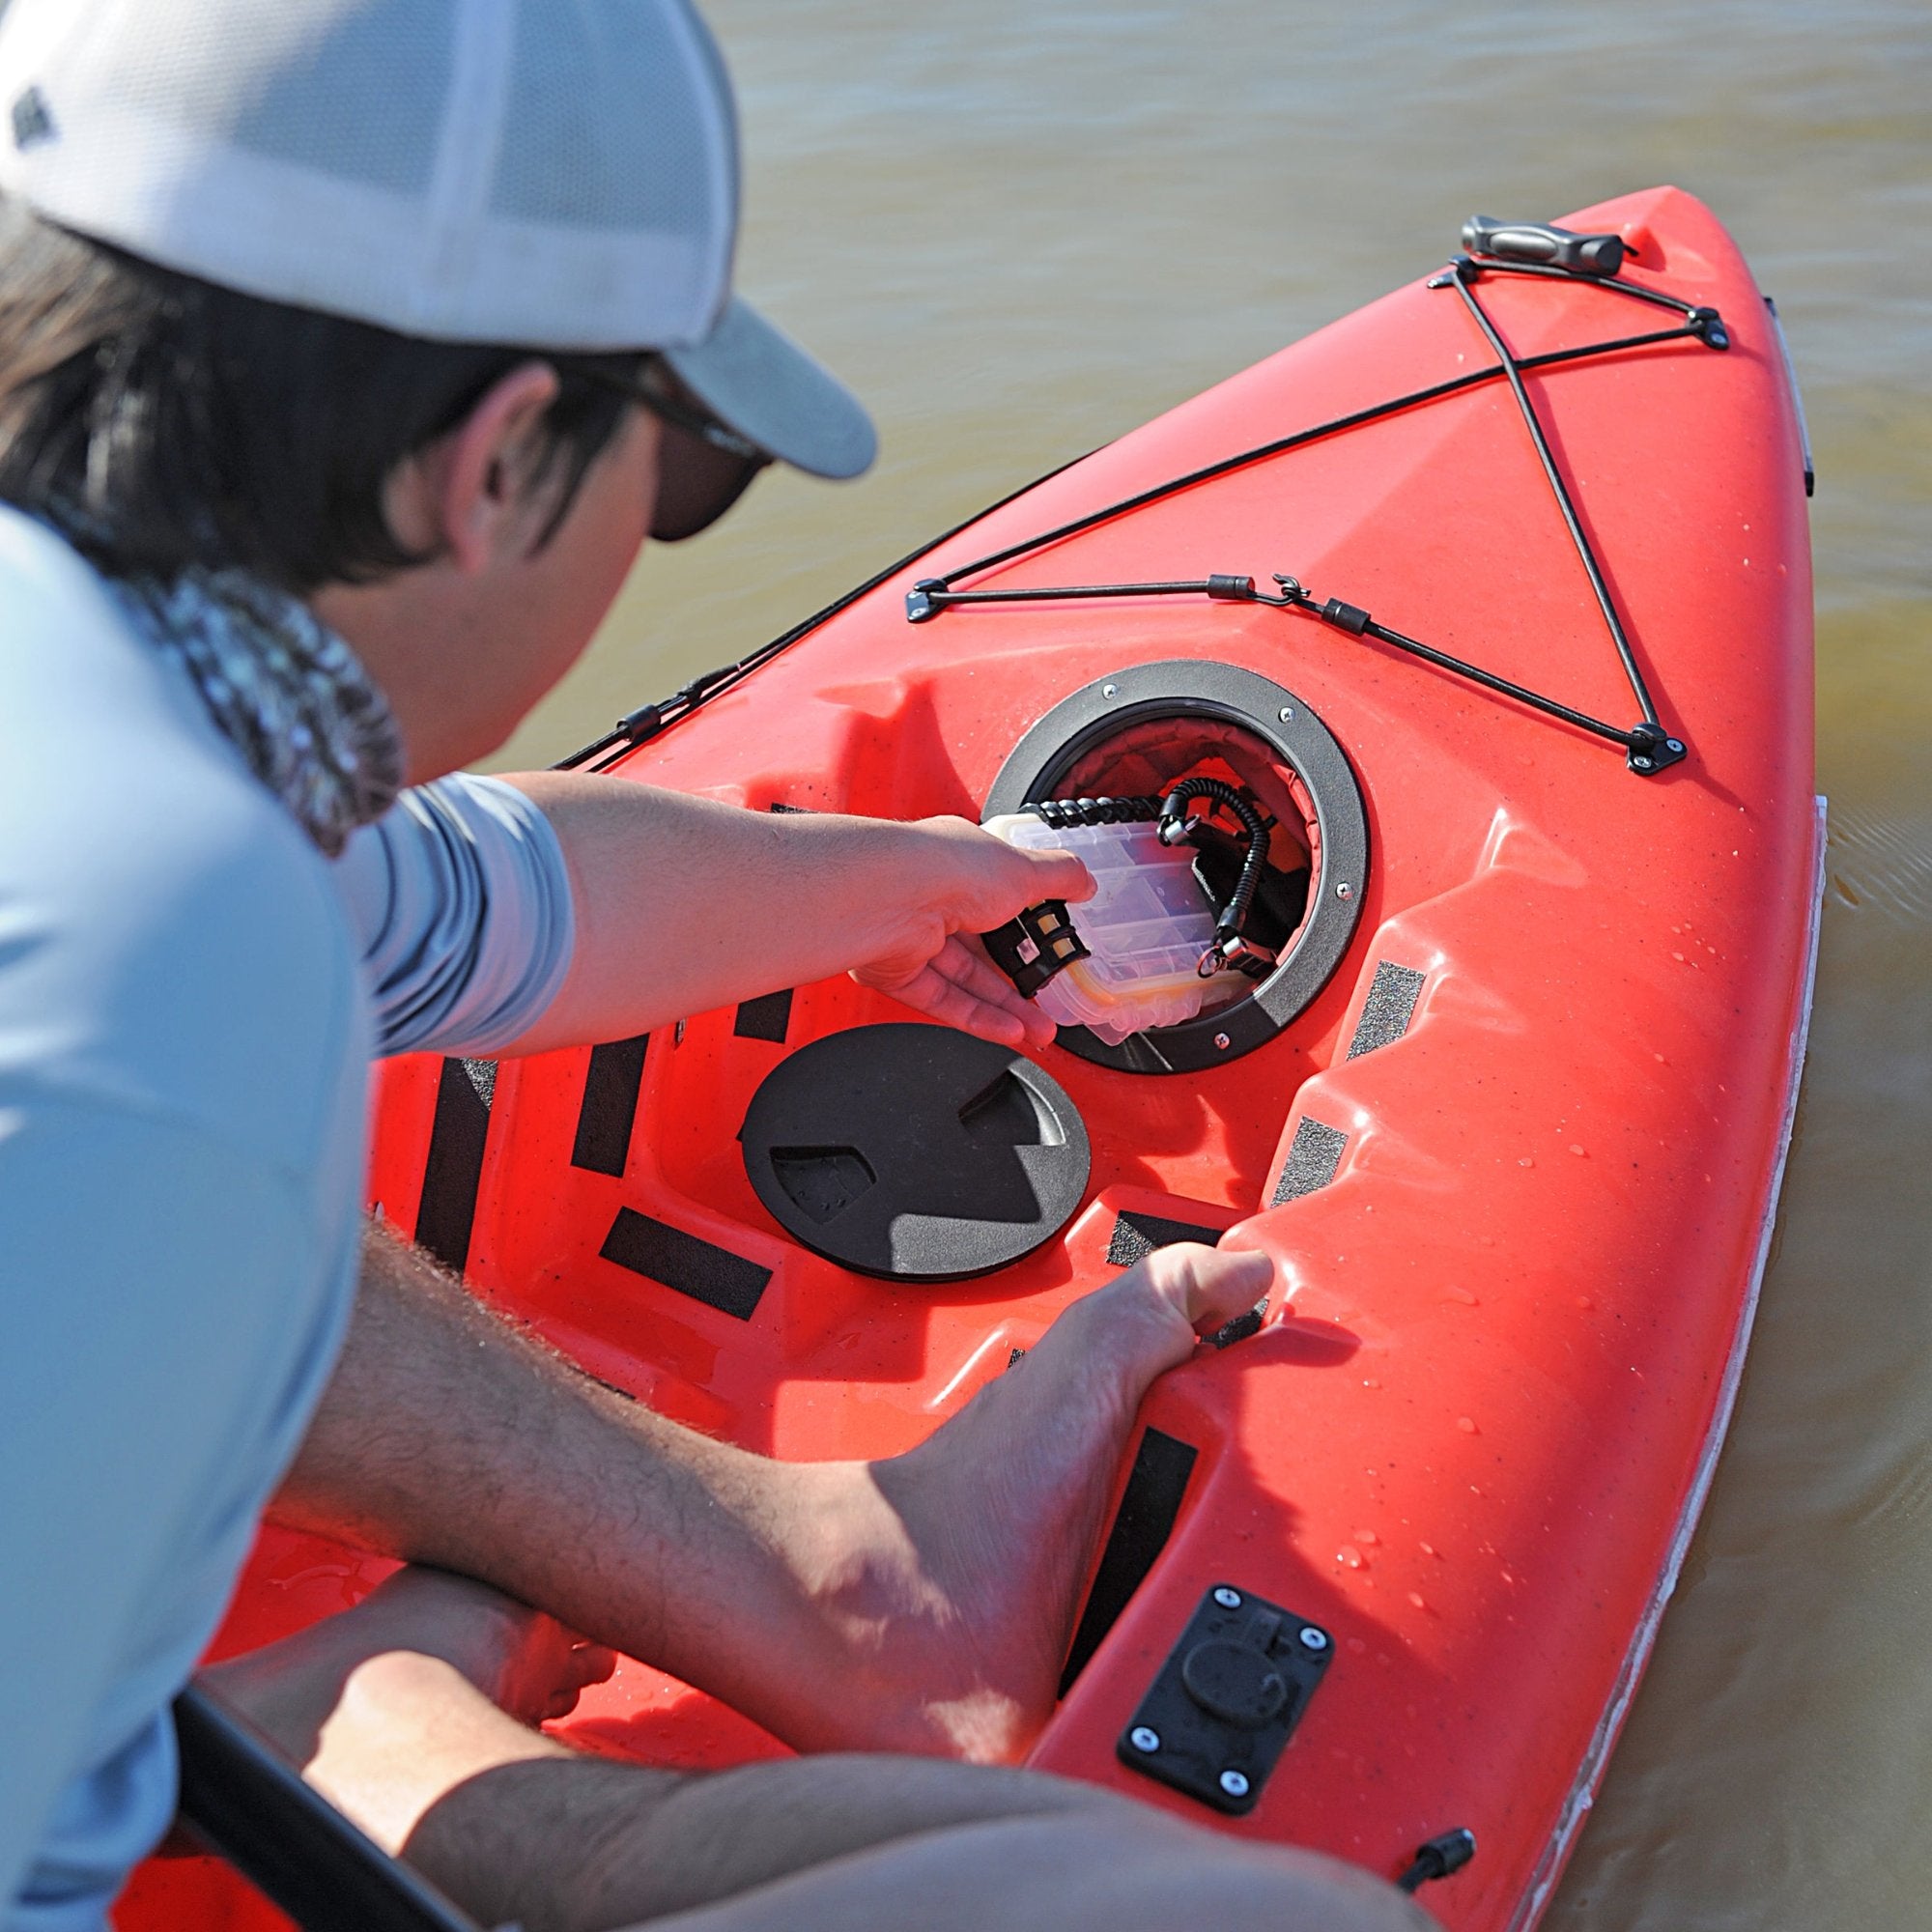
[{"x": 460, "y": 900}]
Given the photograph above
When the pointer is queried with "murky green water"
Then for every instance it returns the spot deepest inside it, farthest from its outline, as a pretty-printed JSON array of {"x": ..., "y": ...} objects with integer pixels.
[{"x": 1022, "y": 228}]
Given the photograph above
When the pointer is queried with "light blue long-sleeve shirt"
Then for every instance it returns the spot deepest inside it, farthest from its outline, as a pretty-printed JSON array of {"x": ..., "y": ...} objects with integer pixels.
[{"x": 189, "y": 997}]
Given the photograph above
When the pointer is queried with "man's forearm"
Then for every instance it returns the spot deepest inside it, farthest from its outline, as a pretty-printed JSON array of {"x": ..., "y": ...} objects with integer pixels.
[
  {"x": 683, "y": 904},
  {"x": 448, "y": 1438}
]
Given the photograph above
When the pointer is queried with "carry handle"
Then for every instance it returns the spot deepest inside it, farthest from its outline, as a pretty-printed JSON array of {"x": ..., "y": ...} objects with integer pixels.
[{"x": 1541, "y": 242}]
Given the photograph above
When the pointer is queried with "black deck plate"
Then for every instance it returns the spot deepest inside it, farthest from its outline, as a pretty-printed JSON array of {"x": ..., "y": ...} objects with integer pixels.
[
  {"x": 915, "y": 1153},
  {"x": 1227, "y": 1700}
]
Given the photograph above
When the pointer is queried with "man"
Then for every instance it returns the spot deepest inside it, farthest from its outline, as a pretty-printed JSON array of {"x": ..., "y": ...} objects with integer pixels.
[{"x": 349, "y": 351}]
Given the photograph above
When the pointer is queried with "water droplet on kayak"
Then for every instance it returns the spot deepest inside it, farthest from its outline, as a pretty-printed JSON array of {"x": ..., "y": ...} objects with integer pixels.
[
  {"x": 1367, "y": 1536},
  {"x": 1370, "y": 1382},
  {"x": 1575, "y": 1148},
  {"x": 1461, "y": 1294},
  {"x": 1428, "y": 1548},
  {"x": 1584, "y": 1301},
  {"x": 1525, "y": 1161},
  {"x": 1356, "y": 1644},
  {"x": 1351, "y": 1559},
  {"x": 1467, "y": 1424},
  {"x": 1415, "y": 1596},
  {"x": 1679, "y": 958}
]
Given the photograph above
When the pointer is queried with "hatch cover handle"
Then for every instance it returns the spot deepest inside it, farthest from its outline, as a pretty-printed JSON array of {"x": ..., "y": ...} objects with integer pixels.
[{"x": 1543, "y": 241}]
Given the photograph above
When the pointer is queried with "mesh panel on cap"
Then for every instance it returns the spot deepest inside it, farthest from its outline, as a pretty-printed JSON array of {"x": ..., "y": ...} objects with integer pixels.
[
  {"x": 354, "y": 89},
  {"x": 603, "y": 129}
]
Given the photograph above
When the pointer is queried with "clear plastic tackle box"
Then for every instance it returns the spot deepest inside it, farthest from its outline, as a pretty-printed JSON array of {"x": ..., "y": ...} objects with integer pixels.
[{"x": 1145, "y": 929}]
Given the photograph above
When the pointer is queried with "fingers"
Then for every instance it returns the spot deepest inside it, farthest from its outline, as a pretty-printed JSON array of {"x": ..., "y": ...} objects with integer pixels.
[
  {"x": 593, "y": 1663},
  {"x": 1209, "y": 1287},
  {"x": 961, "y": 987},
  {"x": 588, "y": 1664},
  {"x": 964, "y": 962},
  {"x": 930, "y": 992},
  {"x": 1060, "y": 875}
]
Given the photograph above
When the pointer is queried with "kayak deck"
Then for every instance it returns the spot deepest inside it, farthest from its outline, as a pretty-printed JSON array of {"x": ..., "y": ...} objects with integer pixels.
[{"x": 1517, "y": 1158}]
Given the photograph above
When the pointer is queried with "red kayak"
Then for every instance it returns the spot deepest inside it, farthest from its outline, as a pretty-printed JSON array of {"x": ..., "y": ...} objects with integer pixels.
[{"x": 1493, "y": 601}]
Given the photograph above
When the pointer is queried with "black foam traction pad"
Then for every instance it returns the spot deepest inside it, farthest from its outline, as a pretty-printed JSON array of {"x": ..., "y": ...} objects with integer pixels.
[
  {"x": 609, "y": 1110},
  {"x": 767, "y": 1018},
  {"x": 667, "y": 1254},
  {"x": 1389, "y": 1007},
  {"x": 453, "y": 1166},
  {"x": 1313, "y": 1157},
  {"x": 1136, "y": 1236},
  {"x": 1150, "y": 1504}
]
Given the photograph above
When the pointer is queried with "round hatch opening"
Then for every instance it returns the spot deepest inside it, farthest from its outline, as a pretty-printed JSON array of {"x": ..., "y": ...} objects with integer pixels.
[{"x": 1138, "y": 732}]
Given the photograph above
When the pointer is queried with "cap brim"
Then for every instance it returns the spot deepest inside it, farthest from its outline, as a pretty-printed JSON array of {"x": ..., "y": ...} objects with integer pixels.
[{"x": 759, "y": 381}]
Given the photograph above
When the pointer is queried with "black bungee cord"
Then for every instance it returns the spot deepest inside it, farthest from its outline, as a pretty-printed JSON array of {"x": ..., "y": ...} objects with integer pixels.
[
  {"x": 1649, "y": 747},
  {"x": 1648, "y": 744}
]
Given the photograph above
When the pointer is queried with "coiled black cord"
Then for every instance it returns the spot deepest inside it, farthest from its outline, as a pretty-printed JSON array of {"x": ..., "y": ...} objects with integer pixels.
[
  {"x": 1063, "y": 811},
  {"x": 1232, "y": 917}
]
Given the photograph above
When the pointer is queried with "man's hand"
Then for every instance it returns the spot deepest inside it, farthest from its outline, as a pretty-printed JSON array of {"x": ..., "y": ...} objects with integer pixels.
[
  {"x": 970, "y": 882},
  {"x": 683, "y": 904}
]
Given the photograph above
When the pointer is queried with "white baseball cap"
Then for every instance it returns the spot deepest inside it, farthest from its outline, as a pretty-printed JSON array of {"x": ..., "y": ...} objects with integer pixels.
[{"x": 545, "y": 174}]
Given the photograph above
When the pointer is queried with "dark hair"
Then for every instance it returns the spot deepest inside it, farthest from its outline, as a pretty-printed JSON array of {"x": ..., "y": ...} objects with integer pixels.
[{"x": 162, "y": 422}]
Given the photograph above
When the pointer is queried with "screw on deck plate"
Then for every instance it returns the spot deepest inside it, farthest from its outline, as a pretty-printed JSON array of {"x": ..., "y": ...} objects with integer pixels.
[
  {"x": 1313, "y": 1638},
  {"x": 1287, "y": 714},
  {"x": 1144, "y": 1739},
  {"x": 1344, "y": 891},
  {"x": 1222, "y": 1040},
  {"x": 1108, "y": 690},
  {"x": 1228, "y": 1599},
  {"x": 1234, "y": 1784}
]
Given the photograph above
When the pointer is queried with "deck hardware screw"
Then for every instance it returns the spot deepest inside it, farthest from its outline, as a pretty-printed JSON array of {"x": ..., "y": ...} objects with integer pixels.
[
  {"x": 1287, "y": 713},
  {"x": 1233, "y": 1783},
  {"x": 1222, "y": 1040},
  {"x": 1676, "y": 745},
  {"x": 1144, "y": 1739},
  {"x": 1313, "y": 1638},
  {"x": 1642, "y": 764},
  {"x": 1345, "y": 891},
  {"x": 1228, "y": 1599},
  {"x": 1108, "y": 690}
]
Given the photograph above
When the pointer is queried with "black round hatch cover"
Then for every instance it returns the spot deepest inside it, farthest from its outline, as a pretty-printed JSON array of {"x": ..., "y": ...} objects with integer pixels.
[{"x": 915, "y": 1153}]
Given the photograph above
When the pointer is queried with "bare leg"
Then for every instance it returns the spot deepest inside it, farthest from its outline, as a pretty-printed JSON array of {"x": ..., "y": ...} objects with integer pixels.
[
  {"x": 921, "y": 1603},
  {"x": 384, "y": 1707},
  {"x": 1079, "y": 1873}
]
